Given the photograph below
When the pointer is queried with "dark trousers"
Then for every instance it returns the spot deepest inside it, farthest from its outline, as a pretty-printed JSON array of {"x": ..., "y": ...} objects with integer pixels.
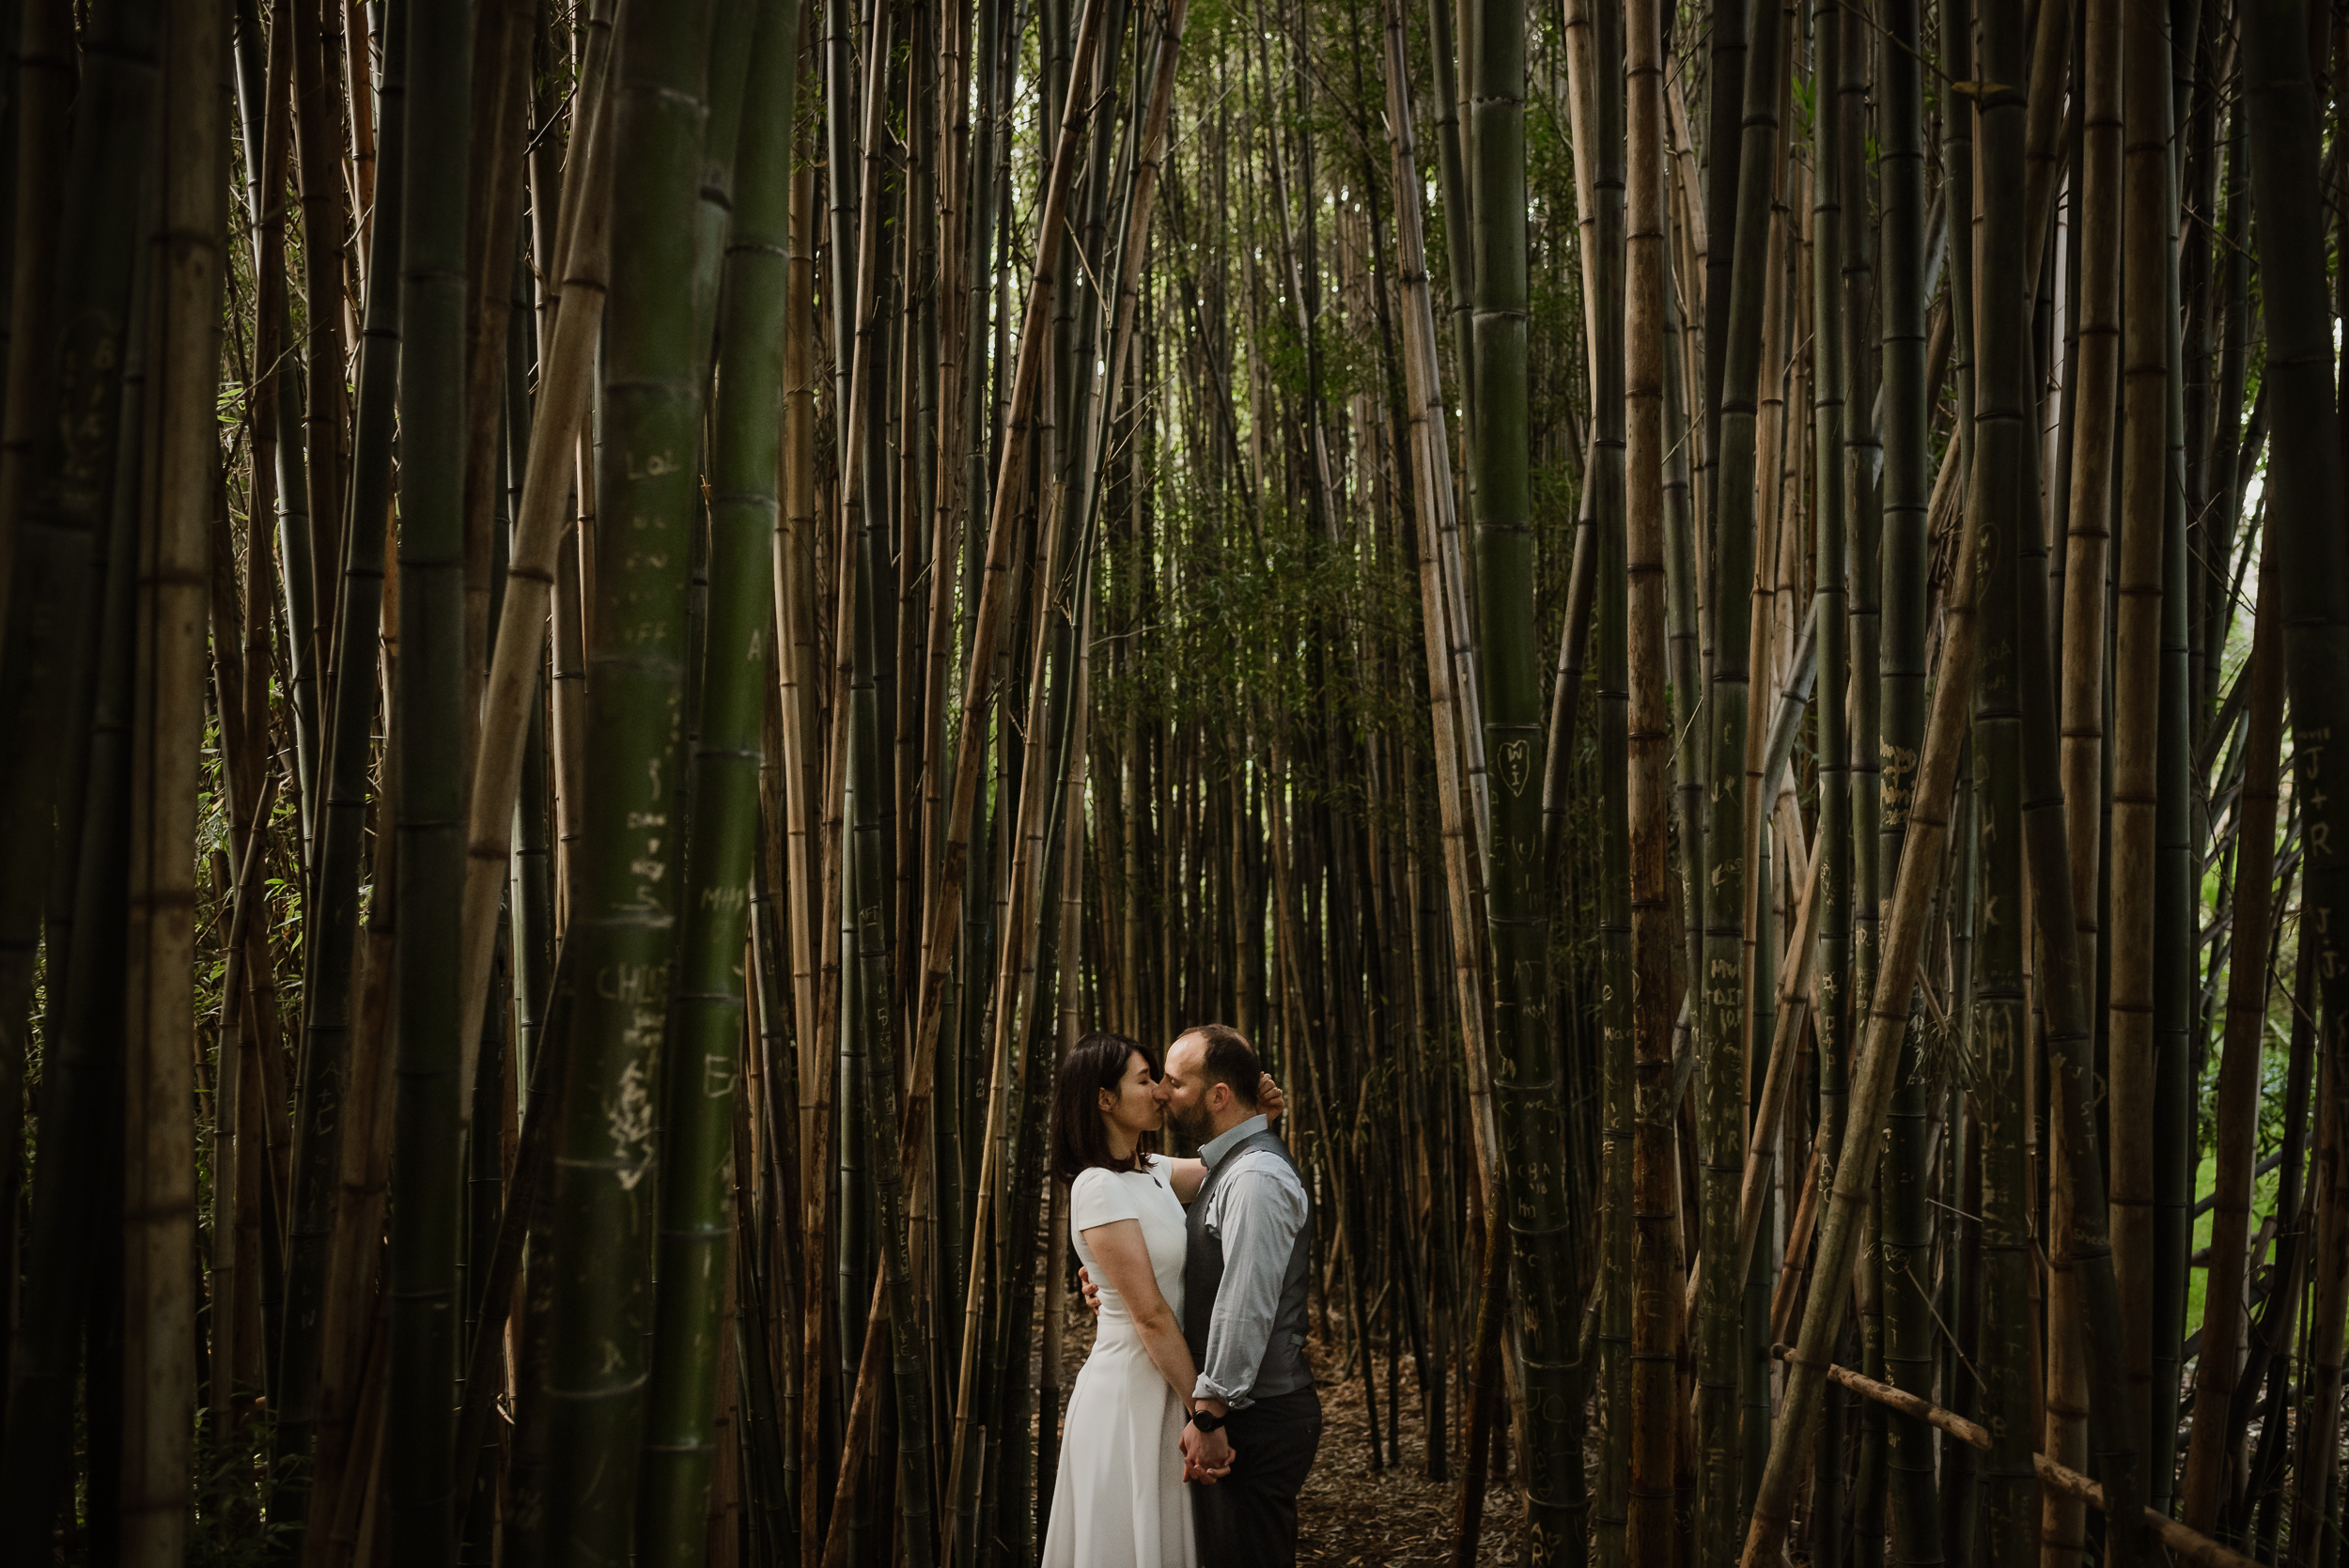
[{"x": 1249, "y": 1518}]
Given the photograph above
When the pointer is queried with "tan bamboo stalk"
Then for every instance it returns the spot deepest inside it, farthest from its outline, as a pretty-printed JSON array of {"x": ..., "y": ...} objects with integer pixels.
[
  {"x": 159, "y": 1176},
  {"x": 1783, "y": 1301},
  {"x": 1873, "y": 1080},
  {"x": 942, "y": 918},
  {"x": 2136, "y": 646},
  {"x": 1013, "y": 995},
  {"x": 2095, "y": 404},
  {"x": 359, "y": 103},
  {"x": 802, "y": 708},
  {"x": 1431, "y": 475},
  {"x": 1655, "y": 1319},
  {"x": 319, "y": 180},
  {"x": 833, "y": 845},
  {"x": 2248, "y": 987},
  {"x": 2186, "y": 1544},
  {"x": 227, "y": 1151},
  {"x": 795, "y": 610},
  {"x": 565, "y": 386},
  {"x": 500, "y": 99},
  {"x": 566, "y": 699}
]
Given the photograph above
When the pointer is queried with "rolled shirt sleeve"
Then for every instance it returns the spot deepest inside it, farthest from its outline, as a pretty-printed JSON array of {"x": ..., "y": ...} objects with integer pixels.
[{"x": 1259, "y": 1208}]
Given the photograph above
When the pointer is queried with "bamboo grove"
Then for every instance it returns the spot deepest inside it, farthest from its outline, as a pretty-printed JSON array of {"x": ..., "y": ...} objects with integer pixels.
[{"x": 1715, "y": 624}]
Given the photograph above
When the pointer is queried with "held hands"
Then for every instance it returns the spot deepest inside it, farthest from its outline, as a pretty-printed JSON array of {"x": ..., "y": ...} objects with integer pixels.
[
  {"x": 1208, "y": 1456},
  {"x": 1091, "y": 1292},
  {"x": 1271, "y": 1102}
]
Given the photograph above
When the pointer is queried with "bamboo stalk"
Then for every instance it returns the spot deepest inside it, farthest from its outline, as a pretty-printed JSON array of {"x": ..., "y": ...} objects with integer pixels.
[
  {"x": 2306, "y": 506},
  {"x": 626, "y": 902},
  {"x": 700, "y": 1072},
  {"x": 1796, "y": 1000},
  {"x": 429, "y": 702},
  {"x": 566, "y": 384},
  {"x": 943, "y": 915},
  {"x": 227, "y": 1079},
  {"x": 2145, "y": 481},
  {"x": 159, "y": 1187},
  {"x": 325, "y": 1086},
  {"x": 2248, "y": 982},
  {"x": 2190, "y": 1545},
  {"x": 1655, "y": 1323},
  {"x": 2087, "y": 512},
  {"x": 1912, "y": 897}
]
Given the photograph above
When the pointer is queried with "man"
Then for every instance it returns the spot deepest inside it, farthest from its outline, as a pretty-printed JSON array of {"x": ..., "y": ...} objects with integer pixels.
[{"x": 1251, "y": 1248}]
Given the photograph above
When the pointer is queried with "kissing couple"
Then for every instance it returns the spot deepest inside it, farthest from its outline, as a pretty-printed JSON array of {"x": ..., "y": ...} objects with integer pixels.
[{"x": 1197, "y": 1381}]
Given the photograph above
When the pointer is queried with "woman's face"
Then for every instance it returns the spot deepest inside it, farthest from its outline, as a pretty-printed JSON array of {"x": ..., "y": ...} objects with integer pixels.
[{"x": 1139, "y": 1103}]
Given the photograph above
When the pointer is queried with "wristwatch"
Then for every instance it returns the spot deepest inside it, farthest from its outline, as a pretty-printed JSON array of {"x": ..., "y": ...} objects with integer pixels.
[{"x": 1206, "y": 1420}]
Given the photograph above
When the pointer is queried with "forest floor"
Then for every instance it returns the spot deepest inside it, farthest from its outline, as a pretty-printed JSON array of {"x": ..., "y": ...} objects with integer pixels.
[{"x": 1350, "y": 1515}]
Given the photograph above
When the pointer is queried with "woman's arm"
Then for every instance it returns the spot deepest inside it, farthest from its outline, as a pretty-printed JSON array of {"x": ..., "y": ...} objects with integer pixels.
[
  {"x": 1184, "y": 1176},
  {"x": 1124, "y": 1260}
]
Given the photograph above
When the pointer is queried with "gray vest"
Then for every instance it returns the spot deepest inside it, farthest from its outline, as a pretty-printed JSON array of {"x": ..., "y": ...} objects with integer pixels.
[{"x": 1284, "y": 1369}]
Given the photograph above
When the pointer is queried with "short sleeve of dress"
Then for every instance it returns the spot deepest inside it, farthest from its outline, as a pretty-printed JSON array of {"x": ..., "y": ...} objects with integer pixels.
[{"x": 1097, "y": 1197}]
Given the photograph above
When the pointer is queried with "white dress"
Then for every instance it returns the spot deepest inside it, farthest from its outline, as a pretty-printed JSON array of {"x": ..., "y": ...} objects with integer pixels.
[{"x": 1119, "y": 1501}]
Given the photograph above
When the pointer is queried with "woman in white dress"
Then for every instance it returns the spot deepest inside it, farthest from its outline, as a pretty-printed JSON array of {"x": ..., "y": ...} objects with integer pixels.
[{"x": 1118, "y": 1501}]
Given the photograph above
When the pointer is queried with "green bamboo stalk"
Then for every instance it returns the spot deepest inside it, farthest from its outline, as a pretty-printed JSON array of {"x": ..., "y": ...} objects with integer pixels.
[
  {"x": 2247, "y": 986},
  {"x": 1605, "y": 496},
  {"x": 430, "y": 707},
  {"x": 43, "y": 94},
  {"x": 1545, "y": 1266},
  {"x": 699, "y": 1072},
  {"x": 323, "y": 1086},
  {"x": 2304, "y": 499},
  {"x": 82, "y": 1057},
  {"x": 1909, "y": 1332},
  {"x": 1460, "y": 228},
  {"x": 2008, "y": 1488},
  {"x": 1719, "y": 1001},
  {"x": 1922, "y": 856},
  {"x": 625, "y": 901},
  {"x": 310, "y": 552},
  {"x": 1725, "y": 105},
  {"x": 1654, "y": 1286},
  {"x": 2181, "y": 832},
  {"x": 159, "y": 1184},
  {"x": 63, "y": 502}
]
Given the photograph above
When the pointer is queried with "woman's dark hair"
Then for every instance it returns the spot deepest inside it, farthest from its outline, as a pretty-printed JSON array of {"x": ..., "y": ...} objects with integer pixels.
[{"x": 1080, "y": 1142}]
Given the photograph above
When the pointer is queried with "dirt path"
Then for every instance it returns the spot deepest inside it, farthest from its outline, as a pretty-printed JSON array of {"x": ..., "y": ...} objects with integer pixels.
[{"x": 1348, "y": 1515}]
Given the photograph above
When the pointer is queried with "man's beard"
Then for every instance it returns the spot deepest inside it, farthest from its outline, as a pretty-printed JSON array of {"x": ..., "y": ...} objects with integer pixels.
[{"x": 1193, "y": 1125}]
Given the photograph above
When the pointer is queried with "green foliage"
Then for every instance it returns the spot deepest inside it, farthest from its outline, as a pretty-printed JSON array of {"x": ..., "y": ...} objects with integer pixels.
[{"x": 236, "y": 1483}]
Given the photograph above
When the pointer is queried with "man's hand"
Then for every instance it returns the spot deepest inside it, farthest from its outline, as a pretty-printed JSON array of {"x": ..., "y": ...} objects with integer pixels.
[
  {"x": 1206, "y": 1455},
  {"x": 1091, "y": 1292},
  {"x": 1271, "y": 1102}
]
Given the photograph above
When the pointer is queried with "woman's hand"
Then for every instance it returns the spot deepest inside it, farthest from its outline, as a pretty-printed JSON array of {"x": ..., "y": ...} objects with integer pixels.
[{"x": 1271, "y": 1102}]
